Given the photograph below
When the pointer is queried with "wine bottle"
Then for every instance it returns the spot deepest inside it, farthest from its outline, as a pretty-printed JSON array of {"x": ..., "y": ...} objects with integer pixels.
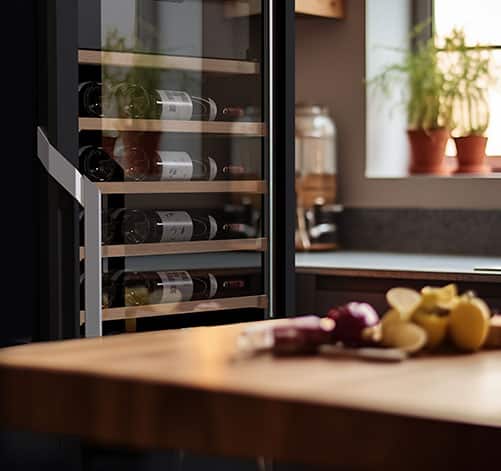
[
  {"x": 90, "y": 99},
  {"x": 150, "y": 226},
  {"x": 241, "y": 113},
  {"x": 142, "y": 163},
  {"x": 159, "y": 287},
  {"x": 107, "y": 293},
  {"x": 180, "y": 105},
  {"x": 129, "y": 100},
  {"x": 110, "y": 222},
  {"x": 98, "y": 166}
]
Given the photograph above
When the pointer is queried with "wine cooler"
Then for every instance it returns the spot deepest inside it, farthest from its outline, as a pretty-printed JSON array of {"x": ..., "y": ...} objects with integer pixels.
[{"x": 166, "y": 142}]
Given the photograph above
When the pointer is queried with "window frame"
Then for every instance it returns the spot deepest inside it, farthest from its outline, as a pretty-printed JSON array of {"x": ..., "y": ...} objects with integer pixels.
[{"x": 412, "y": 191}]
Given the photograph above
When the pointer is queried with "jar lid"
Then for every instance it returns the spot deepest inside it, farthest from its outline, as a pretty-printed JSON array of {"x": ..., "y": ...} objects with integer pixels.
[{"x": 311, "y": 109}]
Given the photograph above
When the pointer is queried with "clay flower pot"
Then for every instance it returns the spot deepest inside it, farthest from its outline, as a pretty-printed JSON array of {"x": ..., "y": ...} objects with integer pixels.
[
  {"x": 428, "y": 151},
  {"x": 471, "y": 154}
]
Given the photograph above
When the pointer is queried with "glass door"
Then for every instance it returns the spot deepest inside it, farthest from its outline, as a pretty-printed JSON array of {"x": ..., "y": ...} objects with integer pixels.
[{"x": 174, "y": 130}]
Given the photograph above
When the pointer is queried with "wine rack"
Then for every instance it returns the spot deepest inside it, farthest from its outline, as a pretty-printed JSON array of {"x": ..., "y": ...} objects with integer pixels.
[
  {"x": 169, "y": 248},
  {"x": 200, "y": 105},
  {"x": 160, "y": 125},
  {"x": 170, "y": 123}
]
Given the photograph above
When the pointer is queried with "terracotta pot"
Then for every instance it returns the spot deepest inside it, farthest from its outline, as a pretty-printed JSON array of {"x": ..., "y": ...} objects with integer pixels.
[
  {"x": 471, "y": 154},
  {"x": 428, "y": 151}
]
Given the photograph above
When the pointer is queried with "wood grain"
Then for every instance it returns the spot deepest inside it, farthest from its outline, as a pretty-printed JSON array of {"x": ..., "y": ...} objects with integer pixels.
[
  {"x": 243, "y": 186},
  {"x": 185, "y": 307},
  {"x": 324, "y": 8},
  {"x": 187, "y": 389},
  {"x": 167, "y": 248},
  {"x": 156, "y": 61},
  {"x": 164, "y": 125}
]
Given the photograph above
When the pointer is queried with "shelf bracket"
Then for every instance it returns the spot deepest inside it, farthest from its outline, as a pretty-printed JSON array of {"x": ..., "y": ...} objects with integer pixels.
[{"x": 88, "y": 195}]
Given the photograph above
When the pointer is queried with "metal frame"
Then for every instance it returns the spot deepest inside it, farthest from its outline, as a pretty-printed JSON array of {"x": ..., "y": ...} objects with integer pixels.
[
  {"x": 87, "y": 194},
  {"x": 271, "y": 162}
]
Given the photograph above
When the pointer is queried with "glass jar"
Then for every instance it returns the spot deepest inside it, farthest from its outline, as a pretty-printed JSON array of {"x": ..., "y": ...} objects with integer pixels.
[{"x": 316, "y": 157}]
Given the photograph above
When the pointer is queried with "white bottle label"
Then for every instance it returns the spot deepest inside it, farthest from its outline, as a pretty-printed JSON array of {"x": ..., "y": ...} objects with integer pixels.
[
  {"x": 176, "y": 286},
  {"x": 176, "y": 226},
  {"x": 175, "y": 165},
  {"x": 175, "y": 105}
]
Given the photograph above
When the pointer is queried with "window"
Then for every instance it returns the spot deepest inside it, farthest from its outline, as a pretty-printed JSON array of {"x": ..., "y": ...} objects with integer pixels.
[
  {"x": 480, "y": 22},
  {"x": 375, "y": 168}
]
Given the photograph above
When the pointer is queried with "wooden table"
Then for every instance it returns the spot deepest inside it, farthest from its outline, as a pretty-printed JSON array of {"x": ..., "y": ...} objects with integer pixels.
[{"x": 186, "y": 389}]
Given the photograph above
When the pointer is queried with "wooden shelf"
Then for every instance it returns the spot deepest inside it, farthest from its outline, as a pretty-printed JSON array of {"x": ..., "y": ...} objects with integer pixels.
[
  {"x": 163, "y": 125},
  {"x": 158, "y": 187},
  {"x": 155, "y": 61},
  {"x": 168, "y": 248},
  {"x": 322, "y": 8},
  {"x": 158, "y": 310}
]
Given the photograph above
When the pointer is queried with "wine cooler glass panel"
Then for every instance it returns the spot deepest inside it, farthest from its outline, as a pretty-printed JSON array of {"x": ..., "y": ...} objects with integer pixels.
[
  {"x": 196, "y": 28},
  {"x": 174, "y": 132}
]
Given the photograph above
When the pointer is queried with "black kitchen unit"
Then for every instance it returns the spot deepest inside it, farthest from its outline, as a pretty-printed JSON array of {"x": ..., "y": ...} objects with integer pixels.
[{"x": 165, "y": 134}]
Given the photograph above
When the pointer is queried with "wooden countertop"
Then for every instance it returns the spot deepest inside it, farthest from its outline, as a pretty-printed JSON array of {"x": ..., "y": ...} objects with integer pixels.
[
  {"x": 398, "y": 265},
  {"x": 186, "y": 389}
]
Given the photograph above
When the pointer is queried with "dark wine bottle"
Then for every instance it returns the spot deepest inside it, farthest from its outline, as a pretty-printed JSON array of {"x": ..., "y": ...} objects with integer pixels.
[
  {"x": 143, "y": 163},
  {"x": 149, "y": 226},
  {"x": 241, "y": 113},
  {"x": 98, "y": 166},
  {"x": 108, "y": 293},
  {"x": 110, "y": 220},
  {"x": 160, "y": 287},
  {"x": 90, "y": 99},
  {"x": 129, "y": 100}
]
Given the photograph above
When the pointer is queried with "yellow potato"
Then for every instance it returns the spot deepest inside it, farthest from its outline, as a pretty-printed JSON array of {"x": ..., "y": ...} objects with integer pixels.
[
  {"x": 404, "y": 335},
  {"x": 434, "y": 325},
  {"x": 438, "y": 298},
  {"x": 391, "y": 316},
  {"x": 404, "y": 300},
  {"x": 469, "y": 323}
]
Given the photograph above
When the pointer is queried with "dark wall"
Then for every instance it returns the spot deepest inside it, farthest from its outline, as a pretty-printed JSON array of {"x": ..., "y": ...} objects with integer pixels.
[{"x": 18, "y": 226}]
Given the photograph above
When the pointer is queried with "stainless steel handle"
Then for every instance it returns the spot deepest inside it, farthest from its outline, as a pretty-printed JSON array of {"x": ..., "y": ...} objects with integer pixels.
[{"x": 89, "y": 196}]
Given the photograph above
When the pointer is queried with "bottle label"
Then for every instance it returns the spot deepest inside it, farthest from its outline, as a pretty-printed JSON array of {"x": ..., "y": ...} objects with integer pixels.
[
  {"x": 175, "y": 165},
  {"x": 176, "y": 286},
  {"x": 175, "y": 105},
  {"x": 176, "y": 226}
]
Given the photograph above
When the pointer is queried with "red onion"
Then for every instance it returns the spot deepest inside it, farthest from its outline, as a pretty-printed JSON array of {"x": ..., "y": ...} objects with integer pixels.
[
  {"x": 302, "y": 335},
  {"x": 355, "y": 323}
]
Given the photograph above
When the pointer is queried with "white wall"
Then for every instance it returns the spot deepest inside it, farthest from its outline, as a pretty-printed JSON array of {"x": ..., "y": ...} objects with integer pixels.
[{"x": 388, "y": 23}]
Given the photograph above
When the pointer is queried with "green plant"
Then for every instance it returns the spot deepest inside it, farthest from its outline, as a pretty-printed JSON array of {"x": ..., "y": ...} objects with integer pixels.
[
  {"x": 427, "y": 103},
  {"x": 469, "y": 71}
]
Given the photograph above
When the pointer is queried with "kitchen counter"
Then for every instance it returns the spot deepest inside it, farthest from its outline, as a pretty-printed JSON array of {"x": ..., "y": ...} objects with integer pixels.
[
  {"x": 187, "y": 389},
  {"x": 399, "y": 265}
]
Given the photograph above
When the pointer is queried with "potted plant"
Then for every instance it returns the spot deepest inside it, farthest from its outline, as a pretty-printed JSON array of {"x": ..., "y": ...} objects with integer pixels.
[
  {"x": 428, "y": 109},
  {"x": 470, "y": 74}
]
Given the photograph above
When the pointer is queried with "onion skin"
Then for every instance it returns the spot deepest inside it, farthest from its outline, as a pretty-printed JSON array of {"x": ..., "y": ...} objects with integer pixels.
[
  {"x": 303, "y": 336},
  {"x": 353, "y": 321}
]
